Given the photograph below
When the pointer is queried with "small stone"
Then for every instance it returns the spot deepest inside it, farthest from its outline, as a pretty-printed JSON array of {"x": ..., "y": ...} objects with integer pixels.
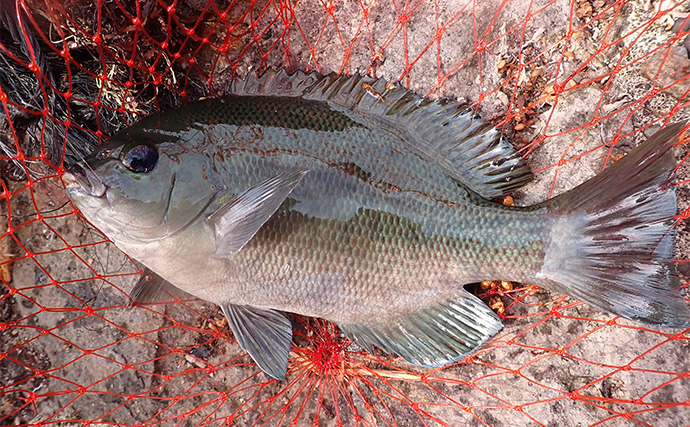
[
  {"x": 496, "y": 303},
  {"x": 486, "y": 285},
  {"x": 670, "y": 70},
  {"x": 584, "y": 10},
  {"x": 501, "y": 65}
]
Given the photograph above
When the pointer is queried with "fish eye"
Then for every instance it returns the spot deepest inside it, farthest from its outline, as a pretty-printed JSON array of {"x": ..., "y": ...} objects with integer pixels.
[{"x": 140, "y": 158}]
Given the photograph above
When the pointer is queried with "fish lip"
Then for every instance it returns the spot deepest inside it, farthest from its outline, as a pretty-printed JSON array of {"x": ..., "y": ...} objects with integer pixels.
[{"x": 81, "y": 176}]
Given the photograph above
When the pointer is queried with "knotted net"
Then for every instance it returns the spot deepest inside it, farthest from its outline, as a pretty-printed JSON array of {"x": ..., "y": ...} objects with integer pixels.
[{"x": 574, "y": 85}]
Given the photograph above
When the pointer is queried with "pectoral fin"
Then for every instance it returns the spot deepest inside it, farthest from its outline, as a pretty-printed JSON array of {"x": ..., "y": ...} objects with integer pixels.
[
  {"x": 265, "y": 334},
  {"x": 236, "y": 222},
  {"x": 153, "y": 288},
  {"x": 439, "y": 334}
]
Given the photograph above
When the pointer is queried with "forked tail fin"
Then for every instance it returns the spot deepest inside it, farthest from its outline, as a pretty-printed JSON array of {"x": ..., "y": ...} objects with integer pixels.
[{"x": 612, "y": 244}]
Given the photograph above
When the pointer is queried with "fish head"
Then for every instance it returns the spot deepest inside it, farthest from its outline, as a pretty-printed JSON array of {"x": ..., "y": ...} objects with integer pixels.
[{"x": 137, "y": 192}]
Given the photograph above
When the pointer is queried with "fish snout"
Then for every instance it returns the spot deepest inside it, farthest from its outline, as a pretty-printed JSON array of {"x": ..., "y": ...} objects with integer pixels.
[{"x": 82, "y": 176}]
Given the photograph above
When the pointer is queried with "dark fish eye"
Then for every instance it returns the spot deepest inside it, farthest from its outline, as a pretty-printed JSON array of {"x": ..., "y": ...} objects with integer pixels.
[{"x": 140, "y": 158}]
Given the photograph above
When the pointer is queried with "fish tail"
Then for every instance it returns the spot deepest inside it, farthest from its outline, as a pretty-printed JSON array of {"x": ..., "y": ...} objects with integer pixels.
[{"x": 612, "y": 244}]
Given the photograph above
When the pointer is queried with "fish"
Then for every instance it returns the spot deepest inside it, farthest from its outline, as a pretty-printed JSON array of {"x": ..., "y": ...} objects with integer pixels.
[{"x": 354, "y": 200}]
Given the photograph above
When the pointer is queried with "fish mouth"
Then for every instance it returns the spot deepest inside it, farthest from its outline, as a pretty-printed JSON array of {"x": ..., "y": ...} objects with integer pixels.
[{"x": 81, "y": 176}]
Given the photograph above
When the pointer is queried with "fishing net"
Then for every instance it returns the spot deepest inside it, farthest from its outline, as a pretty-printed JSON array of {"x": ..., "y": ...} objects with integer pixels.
[{"x": 574, "y": 85}]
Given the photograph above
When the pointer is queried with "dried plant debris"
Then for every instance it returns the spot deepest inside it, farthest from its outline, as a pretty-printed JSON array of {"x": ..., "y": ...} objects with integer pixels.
[
  {"x": 492, "y": 292},
  {"x": 67, "y": 91},
  {"x": 37, "y": 126},
  {"x": 6, "y": 254},
  {"x": 526, "y": 86}
]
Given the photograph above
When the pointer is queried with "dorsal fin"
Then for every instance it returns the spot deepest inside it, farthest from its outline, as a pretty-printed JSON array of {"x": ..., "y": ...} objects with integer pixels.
[{"x": 470, "y": 148}]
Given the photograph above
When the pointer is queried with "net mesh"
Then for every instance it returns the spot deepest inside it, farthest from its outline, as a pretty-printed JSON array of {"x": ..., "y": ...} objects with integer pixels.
[{"x": 574, "y": 84}]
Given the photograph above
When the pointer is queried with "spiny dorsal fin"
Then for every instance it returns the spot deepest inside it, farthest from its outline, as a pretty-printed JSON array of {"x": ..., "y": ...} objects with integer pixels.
[
  {"x": 265, "y": 334},
  {"x": 469, "y": 147},
  {"x": 438, "y": 334}
]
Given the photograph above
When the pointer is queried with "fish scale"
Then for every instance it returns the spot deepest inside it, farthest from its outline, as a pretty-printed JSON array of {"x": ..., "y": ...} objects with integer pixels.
[
  {"x": 386, "y": 254},
  {"x": 305, "y": 194}
]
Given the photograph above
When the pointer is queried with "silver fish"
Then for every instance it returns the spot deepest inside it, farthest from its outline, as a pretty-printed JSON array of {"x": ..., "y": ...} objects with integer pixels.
[{"x": 342, "y": 198}]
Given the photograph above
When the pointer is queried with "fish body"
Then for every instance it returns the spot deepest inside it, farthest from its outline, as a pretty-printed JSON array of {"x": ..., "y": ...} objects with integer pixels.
[
  {"x": 308, "y": 194},
  {"x": 357, "y": 229}
]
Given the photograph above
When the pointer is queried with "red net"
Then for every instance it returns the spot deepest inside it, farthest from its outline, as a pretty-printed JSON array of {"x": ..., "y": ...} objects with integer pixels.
[{"x": 573, "y": 84}]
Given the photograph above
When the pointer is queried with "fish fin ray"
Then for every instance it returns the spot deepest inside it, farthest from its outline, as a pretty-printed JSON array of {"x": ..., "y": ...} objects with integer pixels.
[
  {"x": 265, "y": 334},
  {"x": 152, "y": 288},
  {"x": 236, "y": 222},
  {"x": 437, "y": 335},
  {"x": 471, "y": 150},
  {"x": 612, "y": 245}
]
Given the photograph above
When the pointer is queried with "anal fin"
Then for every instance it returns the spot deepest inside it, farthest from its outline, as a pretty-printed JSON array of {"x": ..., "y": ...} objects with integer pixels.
[
  {"x": 439, "y": 334},
  {"x": 265, "y": 334}
]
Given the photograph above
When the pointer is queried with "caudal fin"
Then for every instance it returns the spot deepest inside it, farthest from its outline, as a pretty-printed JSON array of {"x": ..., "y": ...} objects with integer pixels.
[{"x": 612, "y": 244}]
